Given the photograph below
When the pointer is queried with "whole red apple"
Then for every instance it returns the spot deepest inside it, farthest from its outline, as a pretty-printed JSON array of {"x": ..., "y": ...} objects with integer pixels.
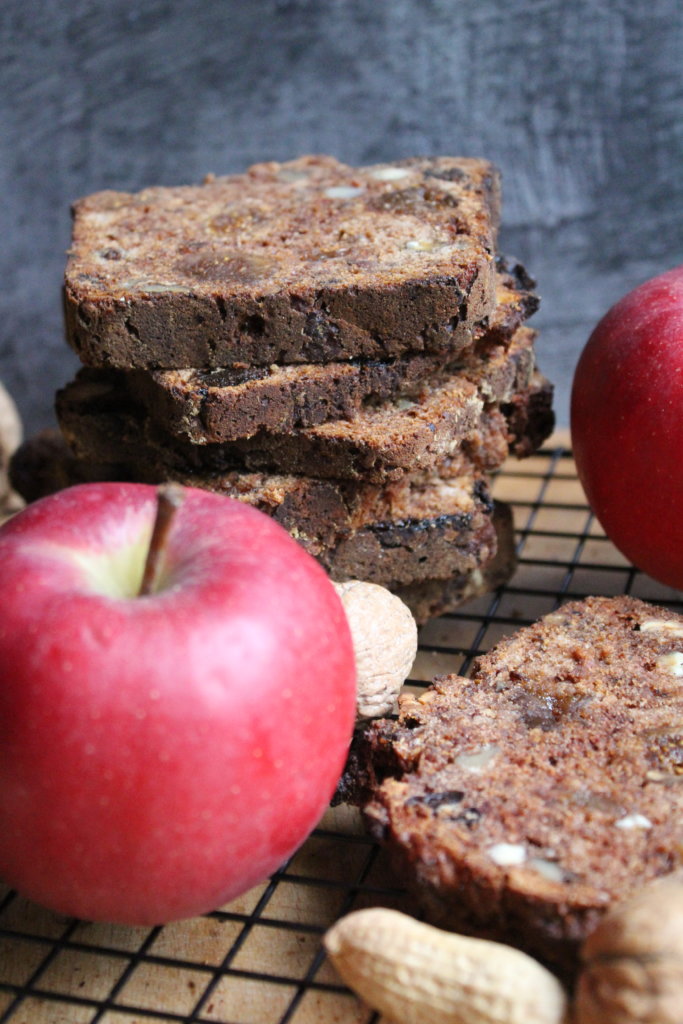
[
  {"x": 627, "y": 425},
  {"x": 160, "y": 754}
]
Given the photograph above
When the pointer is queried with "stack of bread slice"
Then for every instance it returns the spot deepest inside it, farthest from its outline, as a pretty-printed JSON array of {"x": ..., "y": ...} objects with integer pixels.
[{"x": 341, "y": 347}]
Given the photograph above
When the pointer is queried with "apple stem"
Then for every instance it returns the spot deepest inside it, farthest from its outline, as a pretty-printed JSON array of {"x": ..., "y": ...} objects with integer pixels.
[{"x": 169, "y": 499}]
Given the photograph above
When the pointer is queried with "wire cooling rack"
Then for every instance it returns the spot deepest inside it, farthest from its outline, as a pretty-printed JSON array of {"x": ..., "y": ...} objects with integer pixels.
[{"x": 260, "y": 960}]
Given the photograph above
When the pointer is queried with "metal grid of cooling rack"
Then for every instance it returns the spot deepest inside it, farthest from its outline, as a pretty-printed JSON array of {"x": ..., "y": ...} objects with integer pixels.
[{"x": 260, "y": 960}]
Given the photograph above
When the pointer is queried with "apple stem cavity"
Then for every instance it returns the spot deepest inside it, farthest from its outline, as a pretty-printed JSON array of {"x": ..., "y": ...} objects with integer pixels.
[{"x": 170, "y": 497}]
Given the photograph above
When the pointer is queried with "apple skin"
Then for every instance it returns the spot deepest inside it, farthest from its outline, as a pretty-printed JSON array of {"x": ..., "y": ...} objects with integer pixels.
[
  {"x": 627, "y": 425},
  {"x": 159, "y": 755}
]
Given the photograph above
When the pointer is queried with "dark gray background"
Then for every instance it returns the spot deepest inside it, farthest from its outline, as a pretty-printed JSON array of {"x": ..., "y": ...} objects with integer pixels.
[{"x": 581, "y": 105}]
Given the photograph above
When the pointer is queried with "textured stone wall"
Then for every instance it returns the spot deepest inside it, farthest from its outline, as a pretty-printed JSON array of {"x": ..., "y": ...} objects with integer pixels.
[{"x": 580, "y": 104}]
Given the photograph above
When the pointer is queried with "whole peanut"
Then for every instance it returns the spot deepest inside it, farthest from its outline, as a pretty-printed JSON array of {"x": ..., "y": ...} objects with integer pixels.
[{"x": 414, "y": 973}]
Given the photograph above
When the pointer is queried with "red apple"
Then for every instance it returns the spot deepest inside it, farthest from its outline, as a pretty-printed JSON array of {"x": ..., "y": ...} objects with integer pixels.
[
  {"x": 627, "y": 425},
  {"x": 160, "y": 754}
]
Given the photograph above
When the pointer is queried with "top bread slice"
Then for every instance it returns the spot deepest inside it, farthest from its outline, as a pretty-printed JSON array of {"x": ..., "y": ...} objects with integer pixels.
[{"x": 306, "y": 261}]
